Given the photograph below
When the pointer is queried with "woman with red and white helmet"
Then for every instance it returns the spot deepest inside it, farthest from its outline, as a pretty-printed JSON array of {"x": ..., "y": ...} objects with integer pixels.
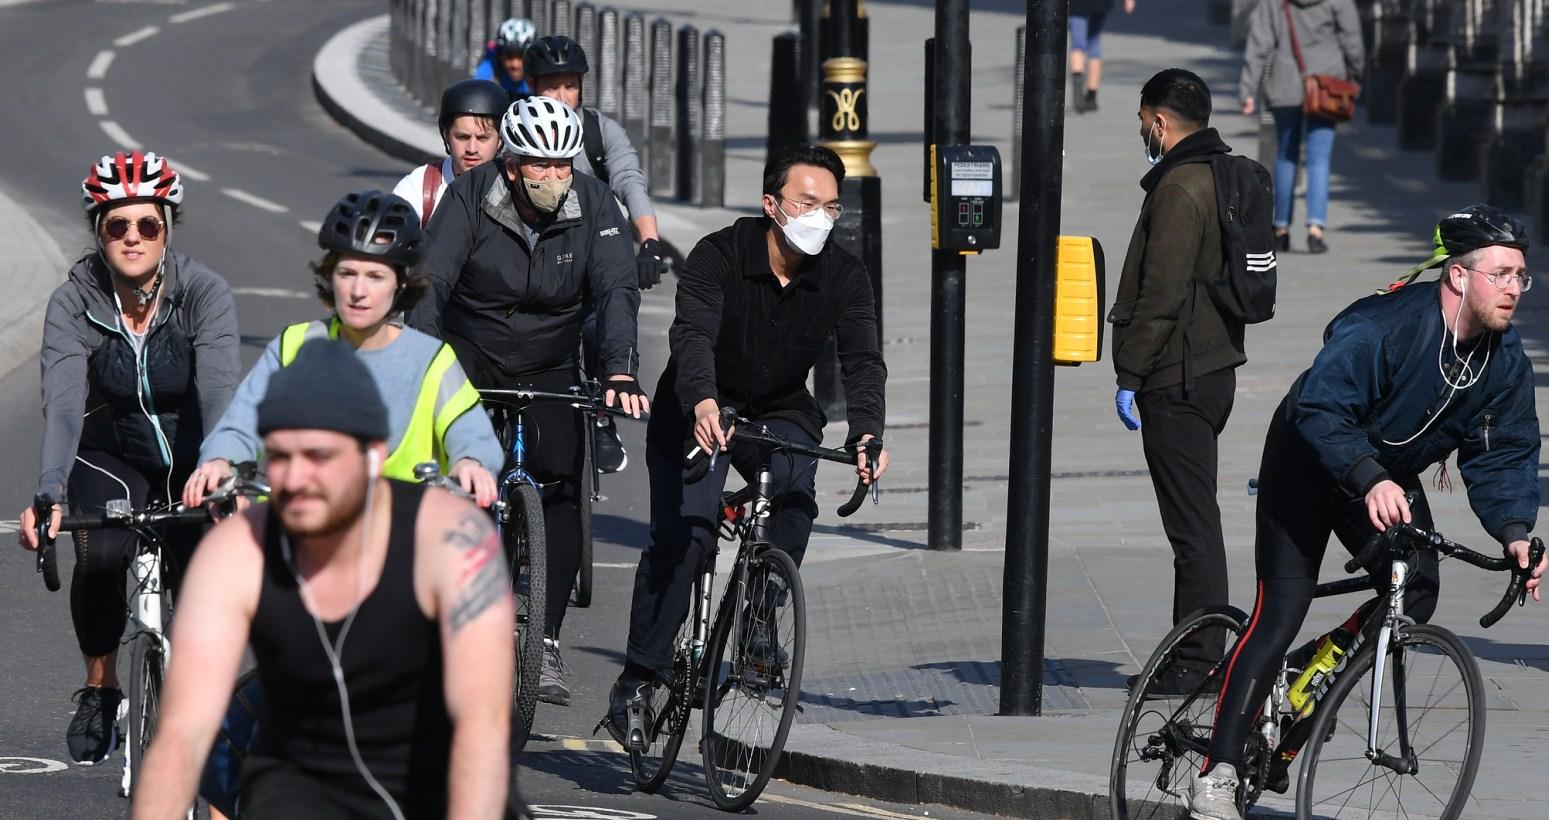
[{"x": 139, "y": 359}]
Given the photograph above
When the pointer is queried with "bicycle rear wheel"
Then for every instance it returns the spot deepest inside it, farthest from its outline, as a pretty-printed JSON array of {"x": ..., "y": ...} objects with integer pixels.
[
  {"x": 147, "y": 673},
  {"x": 753, "y": 680},
  {"x": 527, "y": 551},
  {"x": 670, "y": 707},
  {"x": 1433, "y": 694},
  {"x": 1163, "y": 737}
]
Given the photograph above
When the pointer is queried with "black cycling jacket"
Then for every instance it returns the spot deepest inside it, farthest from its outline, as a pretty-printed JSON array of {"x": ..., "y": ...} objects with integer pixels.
[
  {"x": 1376, "y": 384},
  {"x": 509, "y": 309}
]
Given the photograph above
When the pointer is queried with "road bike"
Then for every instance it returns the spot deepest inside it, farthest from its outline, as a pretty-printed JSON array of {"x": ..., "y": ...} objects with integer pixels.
[
  {"x": 743, "y": 667},
  {"x": 149, "y": 597},
  {"x": 1395, "y": 729},
  {"x": 518, "y": 515}
]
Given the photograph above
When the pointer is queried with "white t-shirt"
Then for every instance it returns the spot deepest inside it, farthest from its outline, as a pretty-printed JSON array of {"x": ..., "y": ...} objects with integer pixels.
[{"x": 412, "y": 187}]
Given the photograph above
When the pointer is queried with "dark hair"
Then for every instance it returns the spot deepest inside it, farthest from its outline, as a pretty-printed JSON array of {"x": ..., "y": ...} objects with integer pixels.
[
  {"x": 1180, "y": 91},
  {"x": 778, "y": 168},
  {"x": 411, "y": 286}
]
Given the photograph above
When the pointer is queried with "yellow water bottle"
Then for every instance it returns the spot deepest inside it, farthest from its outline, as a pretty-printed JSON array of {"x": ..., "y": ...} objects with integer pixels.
[{"x": 1303, "y": 691}]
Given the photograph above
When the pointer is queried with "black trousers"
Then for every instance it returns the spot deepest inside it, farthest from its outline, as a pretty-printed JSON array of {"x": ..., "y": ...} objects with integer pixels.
[
  {"x": 1179, "y": 429},
  {"x": 684, "y": 521},
  {"x": 1297, "y": 511}
]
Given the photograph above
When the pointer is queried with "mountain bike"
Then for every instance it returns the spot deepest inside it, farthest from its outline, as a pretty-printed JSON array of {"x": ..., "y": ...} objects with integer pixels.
[
  {"x": 1400, "y": 717},
  {"x": 518, "y": 515},
  {"x": 149, "y": 598},
  {"x": 748, "y": 683}
]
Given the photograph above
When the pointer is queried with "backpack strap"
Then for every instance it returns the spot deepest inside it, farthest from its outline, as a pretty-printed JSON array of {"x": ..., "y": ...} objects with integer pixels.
[
  {"x": 432, "y": 184},
  {"x": 591, "y": 142}
]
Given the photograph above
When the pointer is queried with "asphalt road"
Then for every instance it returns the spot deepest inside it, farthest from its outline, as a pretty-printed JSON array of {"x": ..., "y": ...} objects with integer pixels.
[{"x": 223, "y": 89}]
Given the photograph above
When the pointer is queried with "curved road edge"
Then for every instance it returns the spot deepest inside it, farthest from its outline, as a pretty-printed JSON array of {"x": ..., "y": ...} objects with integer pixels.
[
  {"x": 343, "y": 92},
  {"x": 29, "y": 278}
]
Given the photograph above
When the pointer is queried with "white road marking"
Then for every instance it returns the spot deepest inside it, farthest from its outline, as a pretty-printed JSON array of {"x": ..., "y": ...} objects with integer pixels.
[
  {"x": 118, "y": 135},
  {"x": 184, "y": 170},
  {"x": 614, "y": 564},
  {"x": 272, "y": 293},
  {"x": 96, "y": 103},
  {"x": 256, "y": 201},
  {"x": 10, "y": 525},
  {"x": 311, "y": 226},
  {"x": 136, "y": 36},
  {"x": 845, "y": 809},
  {"x": 99, "y": 65},
  {"x": 183, "y": 17},
  {"x": 588, "y": 813},
  {"x": 30, "y": 765}
]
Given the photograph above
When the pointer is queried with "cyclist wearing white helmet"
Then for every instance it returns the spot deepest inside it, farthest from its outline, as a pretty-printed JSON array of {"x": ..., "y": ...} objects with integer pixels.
[
  {"x": 469, "y": 122},
  {"x": 502, "y": 61},
  {"x": 518, "y": 248},
  {"x": 139, "y": 360}
]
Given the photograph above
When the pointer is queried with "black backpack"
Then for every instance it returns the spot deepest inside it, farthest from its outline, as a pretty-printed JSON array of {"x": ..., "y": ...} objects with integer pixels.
[
  {"x": 591, "y": 143},
  {"x": 1244, "y": 198}
]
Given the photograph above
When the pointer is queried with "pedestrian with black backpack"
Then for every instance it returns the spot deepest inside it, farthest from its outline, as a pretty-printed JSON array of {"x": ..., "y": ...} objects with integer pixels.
[{"x": 1200, "y": 265}]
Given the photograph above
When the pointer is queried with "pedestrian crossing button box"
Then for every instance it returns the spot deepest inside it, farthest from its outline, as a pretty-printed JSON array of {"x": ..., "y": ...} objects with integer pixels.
[{"x": 966, "y": 194}]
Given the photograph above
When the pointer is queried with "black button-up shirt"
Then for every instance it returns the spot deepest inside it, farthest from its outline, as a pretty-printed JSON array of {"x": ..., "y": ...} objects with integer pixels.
[{"x": 749, "y": 343}]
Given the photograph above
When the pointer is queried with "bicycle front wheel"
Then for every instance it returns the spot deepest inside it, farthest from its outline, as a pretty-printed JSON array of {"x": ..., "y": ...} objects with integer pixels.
[
  {"x": 583, "y": 580},
  {"x": 147, "y": 670},
  {"x": 1430, "y": 734},
  {"x": 1164, "y": 733},
  {"x": 526, "y": 549},
  {"x": 753, "y": 679},
  {"x": 670, "y": 706}
]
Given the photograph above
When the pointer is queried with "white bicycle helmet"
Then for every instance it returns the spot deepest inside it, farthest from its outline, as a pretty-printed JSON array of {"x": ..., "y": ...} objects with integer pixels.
[
  {"x": 541, "y": 127},
  {"x": 128, "y": 176},
  {"x": 516, "y": 34}
]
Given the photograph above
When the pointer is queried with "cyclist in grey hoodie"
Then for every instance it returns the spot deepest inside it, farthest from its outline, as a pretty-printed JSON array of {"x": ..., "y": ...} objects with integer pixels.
[{"x": 140, "y": 358}]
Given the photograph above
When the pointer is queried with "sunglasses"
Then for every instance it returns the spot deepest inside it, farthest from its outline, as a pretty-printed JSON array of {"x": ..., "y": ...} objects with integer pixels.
[{"x": 149, "y": 228}]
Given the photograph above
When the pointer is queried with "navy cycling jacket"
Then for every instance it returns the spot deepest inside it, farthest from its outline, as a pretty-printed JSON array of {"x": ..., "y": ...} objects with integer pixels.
[{"x": 1376, "y": 383}]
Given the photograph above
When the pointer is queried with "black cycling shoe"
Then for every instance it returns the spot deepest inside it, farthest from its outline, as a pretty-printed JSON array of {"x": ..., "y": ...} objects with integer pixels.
[
  {"x": 629, "y": 717},
  {"x": 609, "y": 452},
  {"x": 1177, "y": 681},
  {"x": 93, "y": 732}
]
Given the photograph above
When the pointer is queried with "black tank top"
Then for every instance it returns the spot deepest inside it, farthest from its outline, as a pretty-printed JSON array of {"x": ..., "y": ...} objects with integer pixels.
[{"x": 392, "y": 670}]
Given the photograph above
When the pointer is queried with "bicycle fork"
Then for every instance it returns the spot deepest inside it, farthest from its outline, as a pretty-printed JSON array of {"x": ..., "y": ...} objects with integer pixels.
[
  {"x": 1405, "y": 762},
  {"x": 145, "y": 609}
]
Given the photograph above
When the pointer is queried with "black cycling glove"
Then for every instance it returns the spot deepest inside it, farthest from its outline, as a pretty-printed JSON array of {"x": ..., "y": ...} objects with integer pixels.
[
  {"x": 649, "y": 264},
  {"x": 623, "y": 387}
]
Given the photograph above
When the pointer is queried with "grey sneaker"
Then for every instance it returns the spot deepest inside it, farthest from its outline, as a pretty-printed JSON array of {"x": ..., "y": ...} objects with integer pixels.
[
  {"x": 1213, "y": 795},
  {"x": 551, "y": 677}
]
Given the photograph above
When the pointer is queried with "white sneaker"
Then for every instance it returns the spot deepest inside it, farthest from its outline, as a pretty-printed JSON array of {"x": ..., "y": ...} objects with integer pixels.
[{"x": 1213, "y": 795}]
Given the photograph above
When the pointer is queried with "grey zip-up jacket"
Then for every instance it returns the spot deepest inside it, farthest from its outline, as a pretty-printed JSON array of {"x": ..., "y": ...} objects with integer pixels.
[
  {"x": 625, "y": 176},
  {"x": 1329, "y": 32},
  {"x": 152, "y": 408}
]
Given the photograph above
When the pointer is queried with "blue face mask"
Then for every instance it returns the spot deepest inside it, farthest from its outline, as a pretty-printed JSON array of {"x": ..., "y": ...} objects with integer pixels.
[{"x": 1157, "y": 157}]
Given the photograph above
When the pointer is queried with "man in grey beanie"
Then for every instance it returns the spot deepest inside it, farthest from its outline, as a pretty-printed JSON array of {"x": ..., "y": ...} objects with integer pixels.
[{"x": 380, "y": 615}]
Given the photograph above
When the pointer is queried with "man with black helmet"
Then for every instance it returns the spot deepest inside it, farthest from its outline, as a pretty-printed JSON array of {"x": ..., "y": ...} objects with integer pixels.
[
  {"x": 519, "y": 248},
  {"x": 469, "y": 122},
  {"x": 1405, "y": 378}
]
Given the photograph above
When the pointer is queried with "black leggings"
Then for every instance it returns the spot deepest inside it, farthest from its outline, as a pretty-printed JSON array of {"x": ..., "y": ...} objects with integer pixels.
[
  {"x": 1297, "y": 510},
  {"x": 98, "y": 604}
]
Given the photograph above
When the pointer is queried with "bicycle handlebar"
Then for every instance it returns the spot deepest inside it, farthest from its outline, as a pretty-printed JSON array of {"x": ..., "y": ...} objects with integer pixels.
[
  {"x": 698, "y": 465},
  {"x": 521, "y": 397}
]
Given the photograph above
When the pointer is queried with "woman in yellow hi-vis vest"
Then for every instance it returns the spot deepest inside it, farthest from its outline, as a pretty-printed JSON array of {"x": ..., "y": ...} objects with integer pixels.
[{"x": 371, "y": 240}]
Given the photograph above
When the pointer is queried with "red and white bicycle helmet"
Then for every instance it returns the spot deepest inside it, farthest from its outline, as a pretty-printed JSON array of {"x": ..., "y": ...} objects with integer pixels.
[
  {"x": 541, "y": 127},
  {"x": 129, "y": 177}
]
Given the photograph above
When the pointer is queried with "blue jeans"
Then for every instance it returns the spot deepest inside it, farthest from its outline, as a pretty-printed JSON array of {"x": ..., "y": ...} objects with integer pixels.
[
  {"x": 1320, "y": 146},
  {"x": 1086, "y": 34}
]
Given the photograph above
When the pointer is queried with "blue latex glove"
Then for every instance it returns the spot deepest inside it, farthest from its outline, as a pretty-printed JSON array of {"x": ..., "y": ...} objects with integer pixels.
[{"x": 1124, "y": 400}]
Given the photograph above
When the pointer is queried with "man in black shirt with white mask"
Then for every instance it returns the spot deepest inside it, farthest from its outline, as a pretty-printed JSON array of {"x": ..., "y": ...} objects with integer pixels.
[{"x": 756, "y": 303}]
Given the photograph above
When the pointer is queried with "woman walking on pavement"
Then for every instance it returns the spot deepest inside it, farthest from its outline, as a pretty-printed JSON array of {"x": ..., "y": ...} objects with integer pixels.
[
  {"x": 1086, "y": 50},
  {"x": 1329, "y": 35}
]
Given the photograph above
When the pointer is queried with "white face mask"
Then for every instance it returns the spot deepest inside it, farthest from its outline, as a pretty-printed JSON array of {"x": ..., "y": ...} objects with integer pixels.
[
  {"x": 1157, "y": 157},
  {"x": 809, "y": 232}
]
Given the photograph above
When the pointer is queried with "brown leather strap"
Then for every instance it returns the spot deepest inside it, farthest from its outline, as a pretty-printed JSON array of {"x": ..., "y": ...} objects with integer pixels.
[
  {"x": 1296, "y": 48},
  {"x": 432, "y": 184}
]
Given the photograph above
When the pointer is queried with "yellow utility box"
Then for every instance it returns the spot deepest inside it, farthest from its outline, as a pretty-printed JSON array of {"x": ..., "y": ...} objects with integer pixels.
[{"x": 1078, "y": 301}]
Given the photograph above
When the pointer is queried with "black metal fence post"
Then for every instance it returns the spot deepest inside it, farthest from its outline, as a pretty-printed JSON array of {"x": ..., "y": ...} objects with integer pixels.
[
  {"x": 637, "y": 73},
  {"x": 662, "y": 148},
  {"x": 605, "y": 62},
  {"x": 690, "y": 120},
  {"x": 586, "y": 35},
  {"x": 787, "y": 100},
  {"x": 712, "y": 145}
]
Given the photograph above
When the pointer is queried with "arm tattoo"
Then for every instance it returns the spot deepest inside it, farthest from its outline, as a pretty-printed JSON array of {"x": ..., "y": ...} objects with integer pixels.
[{"x": 481, "y": 574}]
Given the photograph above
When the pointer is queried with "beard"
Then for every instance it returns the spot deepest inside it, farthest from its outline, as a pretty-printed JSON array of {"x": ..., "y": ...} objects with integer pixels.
[
  {"x": 331, "y": 515},
  {"x": 1490, "y": 317}
]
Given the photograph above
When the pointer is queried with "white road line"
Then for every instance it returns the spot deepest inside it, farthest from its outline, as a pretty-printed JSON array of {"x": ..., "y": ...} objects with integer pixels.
[
  {"x": 99, "y": 65},
  {"x": 310, "y": 226},
  {"x": 136, "y": 36},
  {"x": 275, "y": 293},
  {"x": 118, "y": 135},
  {"x": 823, "y": 807},
  {"x": 183, "y": 17},
  {"x": 184, "y": 170},
  {"x": 256, "y": 201},
  {"x": 96, "y": 103},
  {"x": 615, "y": 564}
]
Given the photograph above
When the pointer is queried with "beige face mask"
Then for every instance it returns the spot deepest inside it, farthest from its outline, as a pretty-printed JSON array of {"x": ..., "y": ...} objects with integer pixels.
[{"x": 545, "y": 195}]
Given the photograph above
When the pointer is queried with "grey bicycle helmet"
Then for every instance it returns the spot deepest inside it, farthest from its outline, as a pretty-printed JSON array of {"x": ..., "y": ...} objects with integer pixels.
[
  {"x": 515, "y": 34},
  {"x": 554, "y": 54},
  {"x": 376, "y": 225}
]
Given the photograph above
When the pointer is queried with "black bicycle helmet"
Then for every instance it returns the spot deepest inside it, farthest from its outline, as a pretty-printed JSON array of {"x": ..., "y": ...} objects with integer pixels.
[
  {"x": 554, "y": 54},
  {"x": 480, "y": 98},
  {"x": 1465, "y": 231},
  {"x": 374, "y": 224}
]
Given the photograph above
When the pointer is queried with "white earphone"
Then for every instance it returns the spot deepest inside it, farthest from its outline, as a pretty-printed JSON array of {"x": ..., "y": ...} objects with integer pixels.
[{"x": 373, "y": 464}]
